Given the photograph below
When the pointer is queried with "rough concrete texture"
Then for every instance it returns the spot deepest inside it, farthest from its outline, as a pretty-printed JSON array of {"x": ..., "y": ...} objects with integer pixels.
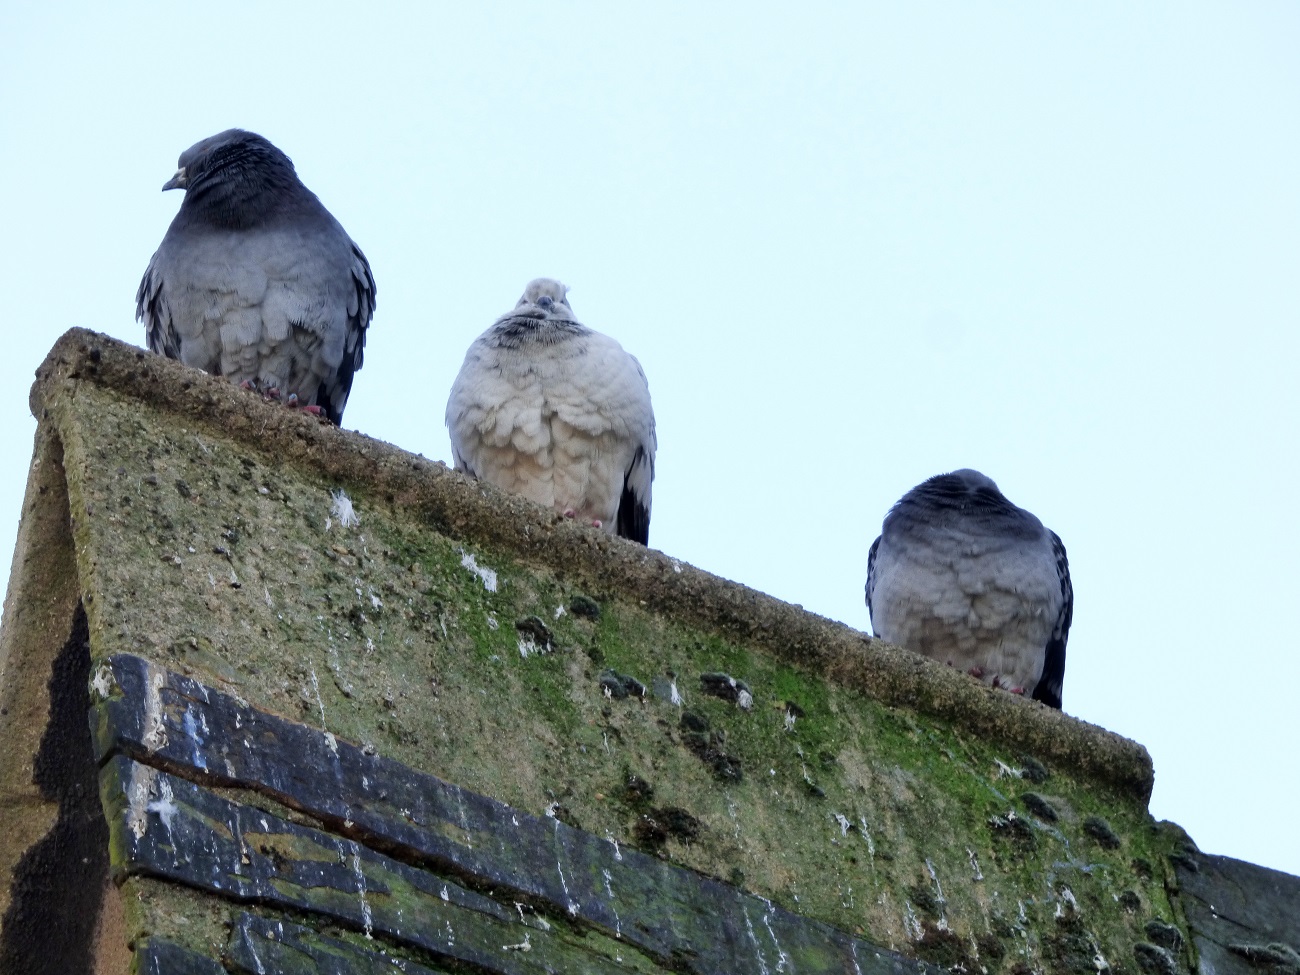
[
  {"x": 560, "y": 670},
  {"x": 1244, "y": 919}
]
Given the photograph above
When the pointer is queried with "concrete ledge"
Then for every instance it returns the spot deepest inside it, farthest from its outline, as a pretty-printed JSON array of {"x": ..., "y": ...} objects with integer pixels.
[
  {"x": 465, "y": 509},
  {"x": 706, "y": 736}
]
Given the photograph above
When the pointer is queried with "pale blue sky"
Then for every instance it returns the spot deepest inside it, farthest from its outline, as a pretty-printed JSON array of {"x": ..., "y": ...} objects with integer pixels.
[{"x": 853, "y": 246}]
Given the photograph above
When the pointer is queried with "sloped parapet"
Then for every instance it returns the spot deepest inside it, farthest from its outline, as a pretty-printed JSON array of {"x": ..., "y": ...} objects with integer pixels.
[{"x": 354, "y": 712}]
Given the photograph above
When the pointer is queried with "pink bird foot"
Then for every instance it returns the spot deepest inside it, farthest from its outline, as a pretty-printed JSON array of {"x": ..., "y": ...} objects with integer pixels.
[
  {"x": 294, "y": 403},
  {"x": 268, "y": 393},
  {"x": 1001, "y": 684},
  {"x": 311, "y": 409}
]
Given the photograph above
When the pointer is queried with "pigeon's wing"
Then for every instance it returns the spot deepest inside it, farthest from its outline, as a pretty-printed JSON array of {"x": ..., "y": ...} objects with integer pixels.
[
  {"x": 332, "y": 395},
  {"x": 152, "y": 309},
  {"x": 458, "y": 459},
  {"x": 634, "y": 503},
  {"x": 465, "y": 411},
  {"x": 871, "y": 578},
  {"x": 1050, "y": 683}
]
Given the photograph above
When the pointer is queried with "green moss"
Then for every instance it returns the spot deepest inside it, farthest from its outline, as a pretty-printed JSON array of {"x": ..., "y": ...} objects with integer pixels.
[{"x": 186, "y": 917}]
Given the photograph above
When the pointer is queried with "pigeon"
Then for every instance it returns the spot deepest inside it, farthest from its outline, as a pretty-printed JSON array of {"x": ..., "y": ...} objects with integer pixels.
[
  {"x": 552, "y": 410},
  {"x": 962, "y": 575},
  {"x": 255, "y": 280}
]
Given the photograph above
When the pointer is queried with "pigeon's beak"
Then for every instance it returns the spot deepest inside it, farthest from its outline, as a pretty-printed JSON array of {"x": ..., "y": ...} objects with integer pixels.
[{"x": 177, "y": 182}]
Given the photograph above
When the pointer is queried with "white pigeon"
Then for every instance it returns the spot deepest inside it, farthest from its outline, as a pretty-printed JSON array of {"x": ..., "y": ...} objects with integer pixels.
[
  {"x": 552, "y": 410},
  {"x": 962, "y": 575}
]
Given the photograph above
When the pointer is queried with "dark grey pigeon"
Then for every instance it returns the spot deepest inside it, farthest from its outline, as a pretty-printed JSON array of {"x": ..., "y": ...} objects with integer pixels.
[
  {"x": 255, "y": 280},
  {"x": 962, "y": 575}
]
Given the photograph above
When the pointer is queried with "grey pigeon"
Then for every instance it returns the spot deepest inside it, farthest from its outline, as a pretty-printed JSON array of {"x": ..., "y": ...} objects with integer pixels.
[
  {"x": 552, "y": 410},
  {"x": 255, "y": 280},
  {"x": 962, "y": 575}
]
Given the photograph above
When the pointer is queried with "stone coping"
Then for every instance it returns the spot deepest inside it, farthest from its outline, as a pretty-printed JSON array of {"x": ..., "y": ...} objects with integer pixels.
[{"x": 464, "y": 509}]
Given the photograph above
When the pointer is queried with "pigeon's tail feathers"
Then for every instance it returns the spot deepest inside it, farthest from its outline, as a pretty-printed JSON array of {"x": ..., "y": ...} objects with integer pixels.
[
  {"x": 633, "y": 520},
  {"x": 871, "y": 578},
  {"x": 1050, "y": 683}
]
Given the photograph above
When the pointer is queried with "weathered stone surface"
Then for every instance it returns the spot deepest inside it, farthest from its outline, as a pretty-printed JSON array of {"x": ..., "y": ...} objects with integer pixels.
[
  {"x": 84, "y": 362},
  {"x": 1154, "y": 959},
  {"x": 676, "y": 916},
  {"x": 259, "y": 946},
  {"x": 59, "y": 882},
  {"x": 167, "y": 827},
  {"x": 465, "y": 634},
  {"x": 156, "y": 956},
  {"x": 1275, "y": 958},
  {"x": 728, "y": 688},
  {"x": 1244, "y": 919},
  {"x": 828, "y": 796},
  {"x": 44, "y": 594},
  {"x": 1100, "y": 830},
  {"x": 618, "y": 686}
]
